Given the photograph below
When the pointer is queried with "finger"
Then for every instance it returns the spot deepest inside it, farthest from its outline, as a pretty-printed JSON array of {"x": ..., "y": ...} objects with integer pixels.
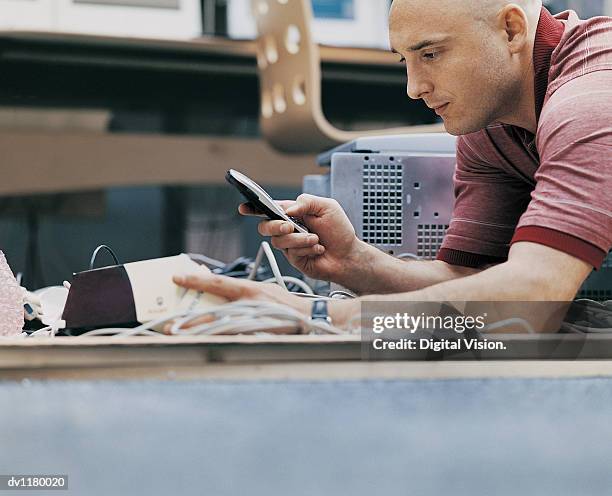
[
  {"x": 246, "y": 209},
  {"x": 310, "y": 205},
  {"x": 274, "y": 228},
  {"x": 295, "y": 241},
  {"x": 249, "y": 210},
  {"x": 226, "y": 287},
  {"x": 311, "y": 251},
  {"x": 204, "y": 319},
  {"x": 285, "y": 204}
]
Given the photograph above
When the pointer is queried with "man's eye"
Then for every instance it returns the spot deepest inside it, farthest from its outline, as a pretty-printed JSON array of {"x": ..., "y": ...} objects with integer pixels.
[
  {"x": 402, "y": 60},
  {"x": 430, "y": 55}
]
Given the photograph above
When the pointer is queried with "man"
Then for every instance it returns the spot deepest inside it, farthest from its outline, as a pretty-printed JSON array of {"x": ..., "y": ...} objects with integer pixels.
[{"x": 530, "y": 96}]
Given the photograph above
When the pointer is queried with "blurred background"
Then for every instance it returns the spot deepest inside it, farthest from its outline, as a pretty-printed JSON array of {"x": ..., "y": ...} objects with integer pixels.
[{"x": 74, "y": 72}]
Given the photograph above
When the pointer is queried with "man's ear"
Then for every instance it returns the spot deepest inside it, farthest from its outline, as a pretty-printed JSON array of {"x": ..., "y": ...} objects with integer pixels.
[{"x": 514, "y": 22}]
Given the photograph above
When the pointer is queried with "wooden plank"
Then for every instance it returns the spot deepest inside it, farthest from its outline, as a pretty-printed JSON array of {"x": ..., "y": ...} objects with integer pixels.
[
  {"x": 176, "y": 340},
  {"x": 44, "y": 162},
  {"x": 323, "y": 371},
  {"x": 204, "y": 44},
  {"x": 168, "y": 353}
]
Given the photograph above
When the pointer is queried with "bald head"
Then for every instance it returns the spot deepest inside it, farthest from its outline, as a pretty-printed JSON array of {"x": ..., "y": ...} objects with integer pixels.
[
  {"x": 479, "y": 10},
  {"x": 490, "y": 7},
  {"x": 469, "y": 59},
  {"x": 487, "y": 11}
]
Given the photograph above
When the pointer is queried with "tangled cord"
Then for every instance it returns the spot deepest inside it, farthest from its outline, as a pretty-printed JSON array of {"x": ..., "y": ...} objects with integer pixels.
[{"x": 241, "y": 317}]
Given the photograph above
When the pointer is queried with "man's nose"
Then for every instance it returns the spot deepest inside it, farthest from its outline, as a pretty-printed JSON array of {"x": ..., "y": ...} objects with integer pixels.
[{"x": 417, "y": 86}]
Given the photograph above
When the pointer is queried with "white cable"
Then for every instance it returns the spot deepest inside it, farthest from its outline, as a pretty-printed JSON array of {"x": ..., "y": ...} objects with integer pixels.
[
  {"x": 503, "y": 323},
  {"x": 339, "y": 294},
  {"x": 236, "y": 312},
  {"x": 293, "y": 280},
  {"x": 119, "y": 332},
  {"x": 50, "y": 330},
  {"x": 311, "y": 296},
  {"x": 143, "y": 329},
  {"x": 45, "y": 331},
  {"x": 242, "y": 317},
  {"x": 265, "y": 249}
]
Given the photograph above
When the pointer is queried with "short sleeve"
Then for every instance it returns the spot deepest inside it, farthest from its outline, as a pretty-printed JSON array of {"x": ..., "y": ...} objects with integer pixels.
[
  {"x": 571, "y": 206},
  {"x": 489, "y": 201}
]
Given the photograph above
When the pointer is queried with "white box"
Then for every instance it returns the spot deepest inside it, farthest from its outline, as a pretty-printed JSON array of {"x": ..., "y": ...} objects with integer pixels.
[
  {"x": 170, "y": 19},
  {"x": 367, "y": 27},
  {"x": 28, "y": 14}
]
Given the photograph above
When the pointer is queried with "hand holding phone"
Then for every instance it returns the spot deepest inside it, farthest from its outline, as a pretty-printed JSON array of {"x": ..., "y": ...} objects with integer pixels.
[{"x": 260, "y": 200}]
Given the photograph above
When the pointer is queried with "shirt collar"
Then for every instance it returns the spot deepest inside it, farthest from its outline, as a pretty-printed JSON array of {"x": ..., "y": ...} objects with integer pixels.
[{"x": 548, "y": 36}]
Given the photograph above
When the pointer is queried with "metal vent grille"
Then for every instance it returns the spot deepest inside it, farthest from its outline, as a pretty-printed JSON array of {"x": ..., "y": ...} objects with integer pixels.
[
  {"x": 430, "y": 237},
  {"x": 596, "y": 294},
  {"x": 598, "y": 286},
  {"x": 382, "y": 203}
]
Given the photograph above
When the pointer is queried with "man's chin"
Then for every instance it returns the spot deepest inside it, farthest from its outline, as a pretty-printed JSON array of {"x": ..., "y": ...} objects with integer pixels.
[
  {"x": 450, "y": 129},
  {"x": 461, "y": 129}
]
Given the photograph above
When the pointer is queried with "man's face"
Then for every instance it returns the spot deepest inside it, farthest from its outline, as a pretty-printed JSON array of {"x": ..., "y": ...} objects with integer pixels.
[{"x": 456, "y": 63}]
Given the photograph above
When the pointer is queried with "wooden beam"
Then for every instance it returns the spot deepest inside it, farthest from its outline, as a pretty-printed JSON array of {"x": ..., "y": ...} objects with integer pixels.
[{"x": 45, "y": 162}]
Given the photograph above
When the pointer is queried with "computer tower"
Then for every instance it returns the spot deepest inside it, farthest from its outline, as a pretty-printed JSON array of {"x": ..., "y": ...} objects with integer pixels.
[
  {"x": 396, "y": 190},
  {"x": 399, "y": 203}
]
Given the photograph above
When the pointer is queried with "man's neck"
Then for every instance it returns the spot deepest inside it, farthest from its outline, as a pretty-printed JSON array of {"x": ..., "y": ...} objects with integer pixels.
[{"x": 523, "y": 111}]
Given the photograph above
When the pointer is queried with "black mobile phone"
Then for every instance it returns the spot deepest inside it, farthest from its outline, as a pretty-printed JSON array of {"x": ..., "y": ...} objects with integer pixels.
[{"x": 260, "y": 200}]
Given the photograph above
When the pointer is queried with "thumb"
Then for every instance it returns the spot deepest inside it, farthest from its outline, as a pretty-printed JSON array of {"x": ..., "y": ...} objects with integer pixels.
[
  {"x": 285, "y": 204},
  {"x": 307, "y": 205}
]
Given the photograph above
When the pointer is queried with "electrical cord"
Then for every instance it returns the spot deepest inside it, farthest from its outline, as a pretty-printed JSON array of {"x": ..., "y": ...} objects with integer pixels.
[
  {"x": 341, "y": 295},
  {"x": 253, "y": 316},
  {"x": 311, "y": 296},
  {"x": 294, "y": 280},
  {"x": 503, "y": 323},
  {"x": 242, "y": 317},
  {"x": 266, "y": 250},
  {"x": 92, "y": 261}
]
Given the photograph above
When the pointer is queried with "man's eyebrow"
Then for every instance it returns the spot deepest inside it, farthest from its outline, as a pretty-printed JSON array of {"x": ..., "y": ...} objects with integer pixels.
[{"x": 423, "y": 44}]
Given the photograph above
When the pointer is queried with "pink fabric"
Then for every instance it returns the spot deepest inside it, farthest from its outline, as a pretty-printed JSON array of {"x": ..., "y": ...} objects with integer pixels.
[
  {"x": 555, "y": 189},
  {"x": 11, "y": 301}
]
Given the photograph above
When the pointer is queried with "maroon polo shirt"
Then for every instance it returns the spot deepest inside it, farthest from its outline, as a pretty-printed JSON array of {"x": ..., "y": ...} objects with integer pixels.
[{"x": 554, "y": 188}]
